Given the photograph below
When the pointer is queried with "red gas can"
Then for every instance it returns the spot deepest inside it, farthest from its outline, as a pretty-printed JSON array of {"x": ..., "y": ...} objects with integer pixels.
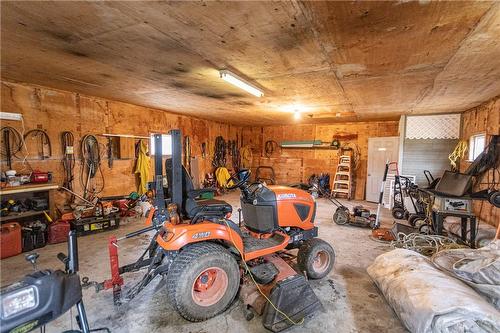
[
  {"x": 10, "y": 240},
  {"x": 58, "y": 232}
]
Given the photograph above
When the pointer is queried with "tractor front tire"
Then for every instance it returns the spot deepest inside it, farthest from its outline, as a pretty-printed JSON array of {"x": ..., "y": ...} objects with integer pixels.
[
  {"x": 316, "y": 257},
  {"x": 203, "y": 281}
]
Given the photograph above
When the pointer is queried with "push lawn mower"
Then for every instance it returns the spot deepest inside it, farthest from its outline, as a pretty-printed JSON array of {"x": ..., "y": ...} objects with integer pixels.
[
  {"x": 360, "y": 217},
  {"x": 206, "y": 258}
]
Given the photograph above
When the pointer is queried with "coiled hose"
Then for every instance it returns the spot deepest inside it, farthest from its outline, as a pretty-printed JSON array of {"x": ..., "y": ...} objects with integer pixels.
[
  {"x": 91, "y": 164},
  {"x": 219, "y": 152}
]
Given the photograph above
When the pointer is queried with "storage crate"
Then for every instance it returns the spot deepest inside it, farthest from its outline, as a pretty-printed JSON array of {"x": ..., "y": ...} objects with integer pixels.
[{"x": 92, "y": 225}]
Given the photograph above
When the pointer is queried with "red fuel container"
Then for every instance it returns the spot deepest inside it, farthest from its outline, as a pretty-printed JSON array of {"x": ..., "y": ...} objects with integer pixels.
[
  {"x": 58, "y": 232},
  {"x": 10, "y": 240}
]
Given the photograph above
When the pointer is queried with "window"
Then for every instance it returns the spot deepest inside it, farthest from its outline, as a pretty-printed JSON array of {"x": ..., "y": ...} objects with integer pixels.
[
  {"x": 166, "y": 144},
  {"x": 476, "y": 145}
]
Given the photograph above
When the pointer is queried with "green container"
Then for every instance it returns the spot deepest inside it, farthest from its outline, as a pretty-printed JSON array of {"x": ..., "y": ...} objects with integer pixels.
[{"x": 207, "y": 195}]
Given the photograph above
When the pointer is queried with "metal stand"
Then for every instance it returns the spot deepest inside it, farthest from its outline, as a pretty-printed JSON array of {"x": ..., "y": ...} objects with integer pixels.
[{"x": 438, "y": 218}]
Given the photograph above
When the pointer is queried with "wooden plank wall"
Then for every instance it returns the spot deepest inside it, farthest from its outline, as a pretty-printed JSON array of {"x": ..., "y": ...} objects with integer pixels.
[
  {"x": 56, "y": 111},
  {"x": 484, "y": 118},
  {"x": 297, "y": 165}
]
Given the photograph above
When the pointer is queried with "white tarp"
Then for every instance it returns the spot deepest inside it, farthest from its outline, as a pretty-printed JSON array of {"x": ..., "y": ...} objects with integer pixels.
[
  {"x": 480, "y": 269},
  {"x": 428, "y": 300}
]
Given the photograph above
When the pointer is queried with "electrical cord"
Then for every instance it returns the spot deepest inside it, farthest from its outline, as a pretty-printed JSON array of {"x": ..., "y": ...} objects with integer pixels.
[
  {"x": 424, "y": 244},
  {"x": 68, "y": 161},
  {"x": 458, "y": 153},
  {"x": 91, "y": 165},
  {"x": 44, "y": 141},
  {"x": 269, "y": 147},
  {"x": 235, "y": 155},
  {"x": 12, "y": 143},
  {"x": 220, "y": 151},
  {"x": 257, "y": 285}
]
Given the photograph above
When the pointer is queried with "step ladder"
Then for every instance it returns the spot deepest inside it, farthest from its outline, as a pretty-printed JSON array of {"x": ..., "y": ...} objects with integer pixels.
[{"x": 342, "y": 182}]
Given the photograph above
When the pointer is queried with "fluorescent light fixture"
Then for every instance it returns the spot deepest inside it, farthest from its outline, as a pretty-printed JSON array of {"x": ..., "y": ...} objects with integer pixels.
[
  {"x": 240, "y": 83},
  {"x": 11, "y": 116}
]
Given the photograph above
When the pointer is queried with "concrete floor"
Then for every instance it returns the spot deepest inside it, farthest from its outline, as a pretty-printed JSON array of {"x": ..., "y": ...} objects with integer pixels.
[{"x": 351, "y": 300}]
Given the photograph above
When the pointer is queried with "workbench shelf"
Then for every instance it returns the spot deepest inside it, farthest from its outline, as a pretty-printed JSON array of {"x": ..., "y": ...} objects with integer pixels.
[
  {"x": 28, "y": 191},
  {"x": 18, "y": 216}
]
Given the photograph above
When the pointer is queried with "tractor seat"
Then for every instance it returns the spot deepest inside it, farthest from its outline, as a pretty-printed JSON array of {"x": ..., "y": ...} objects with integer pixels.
[
  {"x": 208, "y": 206},
  {"x": 192, "y": 205}
]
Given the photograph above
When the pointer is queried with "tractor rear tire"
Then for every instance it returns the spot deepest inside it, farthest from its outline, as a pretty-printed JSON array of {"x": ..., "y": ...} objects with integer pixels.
[
  {"x": 203, "y": 281},
  {"x": 316, "y": 257}
]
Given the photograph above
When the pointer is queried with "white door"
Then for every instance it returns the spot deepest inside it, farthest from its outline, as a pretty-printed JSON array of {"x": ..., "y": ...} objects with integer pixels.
[{"x": 380, "y": 150}]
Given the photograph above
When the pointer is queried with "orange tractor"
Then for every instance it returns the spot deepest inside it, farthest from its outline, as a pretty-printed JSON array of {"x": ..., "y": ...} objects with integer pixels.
[{"x": 206, "y": 258}]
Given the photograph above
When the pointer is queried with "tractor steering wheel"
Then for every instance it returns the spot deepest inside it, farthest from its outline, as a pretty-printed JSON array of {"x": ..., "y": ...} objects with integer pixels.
[{"x": 238, "y": 182}]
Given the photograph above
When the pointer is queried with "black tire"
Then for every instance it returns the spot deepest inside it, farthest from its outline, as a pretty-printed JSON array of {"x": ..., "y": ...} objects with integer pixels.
[
  {"x": 398, "y": 213},
  {"x": 426, "y": 229},
  {"x": 420, "y": 221},
  {"x": 186, "y": 269},
  {"x": 341, "y": 216},
  {"x": 311, "y": 250},
  {"x": 415, "y": 217}
]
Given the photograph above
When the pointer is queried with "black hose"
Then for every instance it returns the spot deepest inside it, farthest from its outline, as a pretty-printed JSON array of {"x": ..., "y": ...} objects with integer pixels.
[
  {"x": 91, "y": 164},
  {"x": 220, "y": 152},
  {"x": 44, "y": 141},
  {"x": 12, "y": 143},
  {"x": 269, "y": 147}
]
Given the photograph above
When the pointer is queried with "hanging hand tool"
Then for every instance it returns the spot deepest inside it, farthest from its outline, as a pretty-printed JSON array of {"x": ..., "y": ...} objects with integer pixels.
[
  {"x": 110, "y": 152},
  {"x": 68, "y": 161}
]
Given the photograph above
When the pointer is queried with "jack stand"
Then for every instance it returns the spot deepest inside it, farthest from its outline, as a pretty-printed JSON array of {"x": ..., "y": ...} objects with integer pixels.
[{"x": 116, "y": 280}]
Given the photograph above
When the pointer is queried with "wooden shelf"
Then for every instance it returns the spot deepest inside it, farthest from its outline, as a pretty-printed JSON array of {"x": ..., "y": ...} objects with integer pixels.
[
  {"x": 15, "y": 216},
  {"x": 22, "y": 192},
  {"x": 313, "y": 147},
  {"x": 28, "y": 188}
]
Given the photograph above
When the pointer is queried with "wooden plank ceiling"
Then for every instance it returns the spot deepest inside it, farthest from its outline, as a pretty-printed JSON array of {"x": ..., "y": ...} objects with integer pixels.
[{"x": 337, "y": 61}]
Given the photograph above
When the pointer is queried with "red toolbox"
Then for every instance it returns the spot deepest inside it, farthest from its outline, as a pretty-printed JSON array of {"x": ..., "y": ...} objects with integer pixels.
[
  {"x": 10, "y": 241},
  {"x": 58, "y": 232}
]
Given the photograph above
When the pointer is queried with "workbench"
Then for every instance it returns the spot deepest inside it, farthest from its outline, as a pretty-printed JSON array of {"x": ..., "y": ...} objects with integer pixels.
[
  {"x": 25, "y": 191},
  {"x": 439, "y": 216}
]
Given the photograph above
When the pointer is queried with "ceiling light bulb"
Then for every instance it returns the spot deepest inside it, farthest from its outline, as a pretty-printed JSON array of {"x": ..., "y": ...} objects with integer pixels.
[
  {"x": 296, "y": 115},
  {"x": 337, "y": 114},
  {"x": 240, "y": 83}
]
